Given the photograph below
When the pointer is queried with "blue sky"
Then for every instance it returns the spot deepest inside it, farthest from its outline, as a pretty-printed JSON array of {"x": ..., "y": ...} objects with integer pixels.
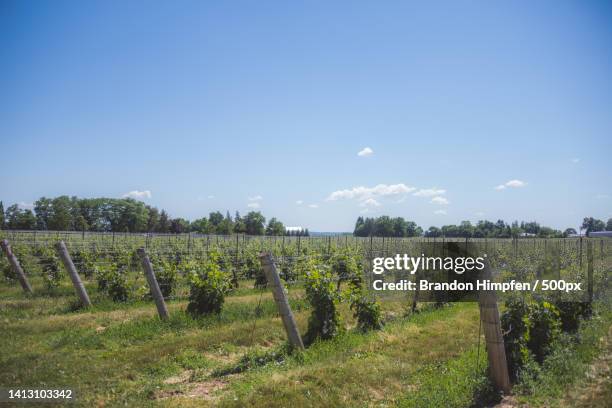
[{"x": 240, "y": 105}]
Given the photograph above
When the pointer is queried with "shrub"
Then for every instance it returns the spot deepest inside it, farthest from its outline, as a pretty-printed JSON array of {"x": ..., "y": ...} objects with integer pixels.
[
  {"x": 112, "y": 281},
  {"x": 51, "y": 271},
  {"x": 83, "y": 261},
  {"x": 117, "y": 287},
  {"x": 287, "y": 270},
  {"x": 515, "y": 327},
  {"x": 8, "y": 273},
  {"x": 135, "y": 261},
  {"x": 367, "y": 313},
  {"x": 365, "y": 309},
  {"x": 570, "y": 312},
  {"x": 255, "y": 270},
  {"x": 322, "y": 296},
  {"x": 166, "y": 275},
  {"x": 122, "y": 258},
  {"x": 346, "y": 268},
  {"x": 544, "y": 324},
  {"x": 209, "y": 285}
]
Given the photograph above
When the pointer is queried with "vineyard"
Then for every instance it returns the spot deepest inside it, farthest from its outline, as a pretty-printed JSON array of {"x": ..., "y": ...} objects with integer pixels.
[{"x": 223, "y": 341}]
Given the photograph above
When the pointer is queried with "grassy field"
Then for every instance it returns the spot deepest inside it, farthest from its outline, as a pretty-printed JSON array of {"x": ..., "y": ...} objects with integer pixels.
[
  {"x": 121, "y": 354},
  {"x": 116, "y": 354}
]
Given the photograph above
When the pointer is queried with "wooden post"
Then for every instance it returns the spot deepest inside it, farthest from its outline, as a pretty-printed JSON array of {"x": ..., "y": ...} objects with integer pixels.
[
  {"x": 590, "y": 270},
  {"x": 489, "y": 316},
  {"x": 62, "y": 251},
  {"x": 235, "y": 271},
  {"x": 580, "y": 256},
  {"x": 155, "y": 291},
  {"x": 281, "y": 300},
  {"x": 415, "y": 297},
  {"x": 6, "y": 248}
]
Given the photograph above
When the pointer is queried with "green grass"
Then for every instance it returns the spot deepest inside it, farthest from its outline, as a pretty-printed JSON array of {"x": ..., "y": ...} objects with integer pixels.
[
  {"x": 565, "y": 378},
  {"x": 458, "y": 382},
  {"x": 121, "y": 354}
]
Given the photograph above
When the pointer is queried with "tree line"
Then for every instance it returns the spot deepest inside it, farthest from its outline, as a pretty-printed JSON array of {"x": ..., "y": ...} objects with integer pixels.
[
  {"x": 128, "y": 215},
  {"x": 385, "y": 226}
]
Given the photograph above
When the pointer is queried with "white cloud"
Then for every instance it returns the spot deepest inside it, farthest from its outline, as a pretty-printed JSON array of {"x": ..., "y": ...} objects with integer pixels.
[
  {"x": 480, "y": 214},
  {"x": 313, "y": 205},
  {"x": 365, "y": 152},
  {"x": 138, "y": 195},
  {"x": 25, "y": 206},
  {"x": 515, "y": 183},
  {"x": 204, "y": 198},
  {"x": 253, "y": 205},
  {"x": 440, "y": 200},
  {"x": 511, "y": 183},
  {"x": 370, "y": 202},
  {"x": 365, "y": 211},
  {"x": 440, "y": 212},
  {"x": 299, "y": 202},
  {"x": 576, "y": 160},
  {"x": 362, "y": 193},
  {"x": 429, "y": 192},
  {"x": 255, "y": 198}
]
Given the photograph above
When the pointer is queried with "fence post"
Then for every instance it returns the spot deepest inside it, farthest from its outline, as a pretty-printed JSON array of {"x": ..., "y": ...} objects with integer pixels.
[
  {"x": 281, "y": 300},
  {"x": 489, "y": 316},
  {"x": 580, "y": 256},
  {"x": 6, "y": 247},
  {"x": 235, "y": 271},
  {"x": 155, "y": 291},
  {"x": 590, "y": 270},
  {"x": 62, "y": 251}
]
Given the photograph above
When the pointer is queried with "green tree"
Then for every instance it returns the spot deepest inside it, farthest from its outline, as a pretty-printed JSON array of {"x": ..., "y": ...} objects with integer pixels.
[
  {"x": 163, "y": 225},
  {"x": 433, "y": 232},
  {"x": 466, "y": 229},
  {"x": 547, "y": 232},
  {"x": 400, "y": 227},
  {"x": 1, "y": 215},
  {"x": 254, "y": 223},
  {"x": 383, "y": 226},
  {"x": 239, "y": 225},
  {"x": 93, "y": 210},
  {"x": 20, "y": 219},
  {"x": 608, "y": 224},
  {"x": 413, "y": 230},
  {"x": 569, "y": 231},
  {"x": 179, "y": 226},
  {"x": 275, "y": 227},
  {"x": 153, "y": 219},
  {"x": 43, "y": 208},
  {"x": 226, "y": 227},
  {"x": 60, "y": 218},
  {"x": 214, "y": 219},
  {"x": 81, "y": 224},
  {"x": 200, "y": 226},
  {"x": 590, "y": 224}
]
